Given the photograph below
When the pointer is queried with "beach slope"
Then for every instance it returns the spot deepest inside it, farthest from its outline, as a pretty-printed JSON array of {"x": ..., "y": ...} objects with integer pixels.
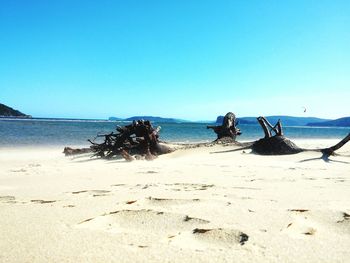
[{"x": 195, "y": 205}]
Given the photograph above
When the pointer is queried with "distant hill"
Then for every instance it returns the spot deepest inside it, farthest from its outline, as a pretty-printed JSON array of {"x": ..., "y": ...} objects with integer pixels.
[
  {"x": 115, "y": 119},
  {"x": 150, "y": 118},
  {"x": 155, "y": 119},
  {"x": 220, "y": 119},
  {"x": 290, "y": 120},
  {"x": 6, "y": 111},
  {"x": 341, "y": 122},
  {"x": 286, "y": 120}
]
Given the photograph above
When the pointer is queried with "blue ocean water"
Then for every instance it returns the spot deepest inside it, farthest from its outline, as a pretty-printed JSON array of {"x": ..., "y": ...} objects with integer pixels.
[{"x": 34, "y": 132}]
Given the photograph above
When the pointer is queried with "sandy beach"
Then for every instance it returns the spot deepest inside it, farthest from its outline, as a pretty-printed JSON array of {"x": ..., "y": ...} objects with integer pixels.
[{"x": 194, "y": 205}]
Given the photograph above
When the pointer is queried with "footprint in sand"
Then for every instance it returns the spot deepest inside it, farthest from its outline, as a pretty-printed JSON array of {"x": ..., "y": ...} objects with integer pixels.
[
  {"x": 34, "y": 165},
  {"x": 345, "y": 217},
  {"x": 305, "y": 223},
  {"x": 169, "y": 201},
  {"x": 22, "y": 170},
  {"x": 8, "y": 199},
  {"x": 189, "y": 187},
  {"x": 344, "y": 221},
  {"x": 302, "y": 225},
  {"x": 221, "y": 236},
  {"x": 93, "y": 193},
  {"x": 40, "y": 201},
  {"x": 174, "y": 187},
  {"x": 145, "y": 186},
  {"x": 148, "y": 172},
  {"x": 68, "y": 206},
  {"x": 202, "y": 238},
  {"x": 147, "y": 222}
]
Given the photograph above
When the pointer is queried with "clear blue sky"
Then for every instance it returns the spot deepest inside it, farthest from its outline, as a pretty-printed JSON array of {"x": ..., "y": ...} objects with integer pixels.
[{"x": 186, "y": 59}]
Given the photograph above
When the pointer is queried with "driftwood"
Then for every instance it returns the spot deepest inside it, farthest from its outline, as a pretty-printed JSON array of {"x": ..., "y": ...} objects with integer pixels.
[
  {"x": 275, "y": 144},
  {"x": 331, "y": 150},
  {"x": 138, "y": 138},
  {"x": 228, "y": 130},
  {"x": 70, "y": 151},
  {"x": 278, "y": 144}
]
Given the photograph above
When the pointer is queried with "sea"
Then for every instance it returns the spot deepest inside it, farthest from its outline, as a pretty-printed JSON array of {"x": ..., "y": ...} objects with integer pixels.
[{"x": 75, "y": 133}]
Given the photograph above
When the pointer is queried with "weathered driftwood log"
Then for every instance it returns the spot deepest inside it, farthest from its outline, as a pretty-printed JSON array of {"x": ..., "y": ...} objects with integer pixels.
[
  {"x": 70, "y": 151},
  {"x": 268, "y": 128},
  {"x": 137, "y": 138},
  {"x": 331, "y": 150},
  {"x": 228, "y": 129},
  {"x": 277, "y": 144}
]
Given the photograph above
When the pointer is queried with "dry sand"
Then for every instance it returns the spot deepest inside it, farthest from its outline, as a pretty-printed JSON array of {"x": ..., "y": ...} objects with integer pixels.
[{"x": 189, "y": 206}]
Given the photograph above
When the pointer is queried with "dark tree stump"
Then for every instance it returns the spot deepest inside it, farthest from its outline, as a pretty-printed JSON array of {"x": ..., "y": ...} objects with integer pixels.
[
  {"x": 279, "y": 145},
  {"x": 137, "y": 138},
  {"x": 227, "y": 131},
  {"x": 275, "y": 145}
]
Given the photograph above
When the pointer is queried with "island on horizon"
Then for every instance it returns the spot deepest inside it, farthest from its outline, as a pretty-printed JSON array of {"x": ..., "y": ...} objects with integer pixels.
[
  {"x": 8, "y": 112},
  {"x": 286, "y": 120}
]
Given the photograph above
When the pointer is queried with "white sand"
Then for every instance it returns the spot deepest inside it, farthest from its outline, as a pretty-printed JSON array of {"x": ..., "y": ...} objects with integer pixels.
[{"x": 188, "y": 206}]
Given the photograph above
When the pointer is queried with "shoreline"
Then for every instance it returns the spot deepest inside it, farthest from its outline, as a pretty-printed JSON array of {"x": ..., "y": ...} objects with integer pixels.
[{"x": 302, "y": 142}]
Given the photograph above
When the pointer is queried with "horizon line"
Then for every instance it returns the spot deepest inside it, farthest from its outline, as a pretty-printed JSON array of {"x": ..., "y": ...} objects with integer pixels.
[{"x": 174, "y": 118}]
